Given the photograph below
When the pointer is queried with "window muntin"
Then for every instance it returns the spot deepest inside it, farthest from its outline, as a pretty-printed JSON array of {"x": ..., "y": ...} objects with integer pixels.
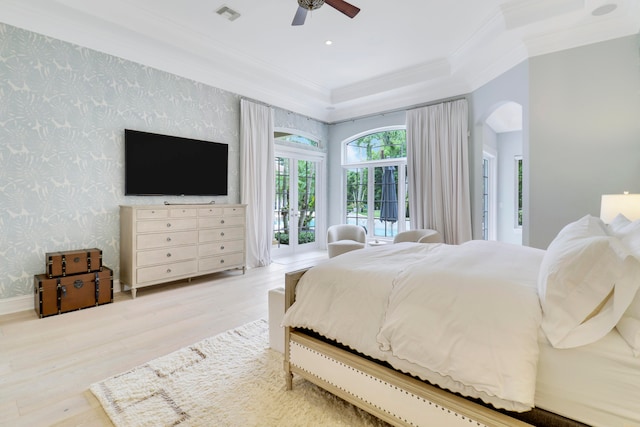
[
  {"x": 518, "y": 195},
  {"x": 485, "y": 198}
]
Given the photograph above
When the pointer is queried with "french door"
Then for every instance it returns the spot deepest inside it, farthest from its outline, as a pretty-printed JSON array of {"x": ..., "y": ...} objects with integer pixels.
[{"x": 295, "y": 220}]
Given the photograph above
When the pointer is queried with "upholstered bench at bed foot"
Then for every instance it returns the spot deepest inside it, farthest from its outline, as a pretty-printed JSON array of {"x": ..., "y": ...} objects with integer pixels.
[{"x": 276, "y": 313}]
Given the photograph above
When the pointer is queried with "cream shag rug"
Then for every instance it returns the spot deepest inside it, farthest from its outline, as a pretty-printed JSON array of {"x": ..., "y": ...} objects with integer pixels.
[{"x": 232, "y": 379}]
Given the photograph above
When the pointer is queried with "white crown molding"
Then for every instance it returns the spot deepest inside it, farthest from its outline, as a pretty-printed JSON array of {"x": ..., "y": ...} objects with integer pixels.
[
  {"x": 590, "y": 31},
  {"x": 402, "y": 98},
  {"x": 514, "y": 31},
  {"x": 520, "y": 13},
  {"x": 390, "y": 82}
]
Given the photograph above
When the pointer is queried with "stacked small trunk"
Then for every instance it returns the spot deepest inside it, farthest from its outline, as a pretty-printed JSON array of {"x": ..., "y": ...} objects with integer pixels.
[{"x": 73, "y": 280}]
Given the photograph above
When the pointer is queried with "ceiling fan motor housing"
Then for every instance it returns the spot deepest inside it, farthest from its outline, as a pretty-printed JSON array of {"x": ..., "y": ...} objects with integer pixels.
[{"x": 310, "y": 4}]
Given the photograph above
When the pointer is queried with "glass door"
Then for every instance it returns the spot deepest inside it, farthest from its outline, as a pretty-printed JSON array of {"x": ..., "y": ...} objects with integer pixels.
[{"x": 294, "y": 219}]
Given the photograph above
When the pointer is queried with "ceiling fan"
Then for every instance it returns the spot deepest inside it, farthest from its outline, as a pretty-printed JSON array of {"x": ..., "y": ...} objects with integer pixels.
[{"x": 306, "y": 5}]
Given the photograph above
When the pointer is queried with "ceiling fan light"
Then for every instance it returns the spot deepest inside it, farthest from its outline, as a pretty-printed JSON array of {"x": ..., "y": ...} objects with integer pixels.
[{"x": 310, "y": 4}]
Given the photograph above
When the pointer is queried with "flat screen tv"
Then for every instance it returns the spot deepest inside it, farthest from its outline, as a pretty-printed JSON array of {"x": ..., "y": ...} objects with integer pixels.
[{"x": 168, "y": 165}]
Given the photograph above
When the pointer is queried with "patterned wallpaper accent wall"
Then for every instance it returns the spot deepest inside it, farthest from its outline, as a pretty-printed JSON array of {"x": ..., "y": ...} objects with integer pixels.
[{"x": 62, "y": 118}]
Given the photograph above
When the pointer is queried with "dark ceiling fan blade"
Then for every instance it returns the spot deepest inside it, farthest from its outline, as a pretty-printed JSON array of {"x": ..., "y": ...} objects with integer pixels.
[
  {"x": 344, "y": 7},
  {"x": 301, "y": 15}
]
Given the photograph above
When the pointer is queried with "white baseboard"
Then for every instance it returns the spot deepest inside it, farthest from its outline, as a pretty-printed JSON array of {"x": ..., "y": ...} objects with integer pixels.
[{"x": 26, "y": 302}]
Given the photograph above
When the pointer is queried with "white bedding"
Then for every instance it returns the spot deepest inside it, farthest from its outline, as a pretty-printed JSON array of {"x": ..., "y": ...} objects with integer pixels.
[
  {"x": 598, "y": 384},
  {"x": 474, "y": 308}
]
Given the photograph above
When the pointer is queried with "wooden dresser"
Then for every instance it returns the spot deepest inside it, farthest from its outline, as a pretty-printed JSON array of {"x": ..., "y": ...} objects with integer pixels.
[{"x": 162, "y": 243}]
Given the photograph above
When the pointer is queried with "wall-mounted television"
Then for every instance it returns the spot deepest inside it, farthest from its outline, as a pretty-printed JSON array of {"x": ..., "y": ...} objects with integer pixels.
[{"x": 169, "y": 165}]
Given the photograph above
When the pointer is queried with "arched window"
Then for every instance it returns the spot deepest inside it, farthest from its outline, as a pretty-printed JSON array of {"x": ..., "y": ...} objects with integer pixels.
[
  {"x": 375, "y": 180},
  {"x": 280, "y": 135}
]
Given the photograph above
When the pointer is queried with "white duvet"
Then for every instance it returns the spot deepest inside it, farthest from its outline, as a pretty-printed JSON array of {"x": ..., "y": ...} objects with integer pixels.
[{"x": 464, "y": 317}]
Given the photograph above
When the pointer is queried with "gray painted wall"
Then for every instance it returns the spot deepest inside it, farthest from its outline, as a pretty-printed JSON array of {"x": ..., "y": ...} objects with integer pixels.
[
  {"x": 584, "y": 132},
  {"x": 510, "y": 86}
]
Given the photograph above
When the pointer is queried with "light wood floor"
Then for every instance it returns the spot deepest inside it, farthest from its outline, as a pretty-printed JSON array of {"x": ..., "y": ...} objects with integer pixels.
[{"x": 47, "y": 365}]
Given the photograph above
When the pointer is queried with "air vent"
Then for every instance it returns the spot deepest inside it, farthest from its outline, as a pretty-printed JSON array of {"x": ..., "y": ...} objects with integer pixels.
[{"x": 228, "y": 13}]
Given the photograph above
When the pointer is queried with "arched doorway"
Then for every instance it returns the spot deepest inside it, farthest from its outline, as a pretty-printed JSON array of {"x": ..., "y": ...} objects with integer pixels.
[{"x": 503, "y": 160}]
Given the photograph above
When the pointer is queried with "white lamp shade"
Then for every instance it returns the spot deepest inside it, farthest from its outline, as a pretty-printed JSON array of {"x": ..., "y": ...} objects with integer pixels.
[{"x": 613, "y": 204}]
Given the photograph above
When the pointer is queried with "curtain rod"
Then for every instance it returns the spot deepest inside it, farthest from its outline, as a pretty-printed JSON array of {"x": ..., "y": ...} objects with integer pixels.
[
  {"x": 407, "y": 108},
  {"x": 281, "y": 109},
  {"x": 366, "y": 116}
]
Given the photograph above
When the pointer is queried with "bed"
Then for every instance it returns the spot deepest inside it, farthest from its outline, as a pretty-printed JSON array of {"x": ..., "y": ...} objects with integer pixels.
[{"x": 483, "y": 333}]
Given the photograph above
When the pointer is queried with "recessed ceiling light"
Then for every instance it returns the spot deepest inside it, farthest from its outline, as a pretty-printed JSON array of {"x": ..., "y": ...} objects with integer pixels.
[
  {"x": 604, "y": 9},
  {"x": 328, "y": 42}
]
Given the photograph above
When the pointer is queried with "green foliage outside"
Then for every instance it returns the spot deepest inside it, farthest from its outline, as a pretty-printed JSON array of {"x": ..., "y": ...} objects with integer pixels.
[
  {"x": 306, "y": 201},
  {"x": 519, "y": 192},
  {"x": 389, "y": 144},
  {"x": 304, "y": 237}
]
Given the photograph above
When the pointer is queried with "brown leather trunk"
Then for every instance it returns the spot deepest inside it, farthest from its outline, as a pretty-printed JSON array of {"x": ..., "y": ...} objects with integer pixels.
[
  {"x": 63, "y": 294},
  {"x": 65, "y": 263}
]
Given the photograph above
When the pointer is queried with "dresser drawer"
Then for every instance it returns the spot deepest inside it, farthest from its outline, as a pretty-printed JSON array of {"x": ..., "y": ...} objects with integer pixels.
[
  {"x": 220, "y": 221},
  {"x": 217, "y": 248},
  {"x": 183, "y": 212},
  {"x": 152, "y": 213},
  {"x": 166, "y": 272},
  {"x": 162, "y": 240},
  {"x": 221, "y": 262},
  {"x": 210, "y": 211},
  {"x": 221, "y": 234},
  {"x": 160, "y": 256},
  {"x": 233, "y": 211},
  {"x": 168, "y": 225}
]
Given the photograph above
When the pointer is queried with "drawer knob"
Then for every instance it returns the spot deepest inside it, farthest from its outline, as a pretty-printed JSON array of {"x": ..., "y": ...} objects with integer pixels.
[
  {"x": 168, "y": 239},
  {"x": 222, "y": 233},
  {"x": 221, "y": 261},
  {"x": 168, "y": 224},
  {"x": 222, "y": 248},
  {"x": 168, "y": 270},
  {"x": 222, "y": 221},
  {"x": 169, "y": 255}
]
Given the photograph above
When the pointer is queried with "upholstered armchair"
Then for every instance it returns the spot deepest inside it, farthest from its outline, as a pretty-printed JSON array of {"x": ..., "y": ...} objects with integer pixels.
[
  {"x": 424, "y": 235},
  {"x": 344, "y": 238}
]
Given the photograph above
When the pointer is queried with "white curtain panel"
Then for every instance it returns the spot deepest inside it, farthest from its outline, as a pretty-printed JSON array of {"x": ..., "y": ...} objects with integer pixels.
[
  {"x": 256, "y": 179},
  {"x": 438, "y": 168}
]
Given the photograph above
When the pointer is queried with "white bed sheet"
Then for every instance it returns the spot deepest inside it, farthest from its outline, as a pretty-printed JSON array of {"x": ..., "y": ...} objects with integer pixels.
[{"x": 587, "y": 383}]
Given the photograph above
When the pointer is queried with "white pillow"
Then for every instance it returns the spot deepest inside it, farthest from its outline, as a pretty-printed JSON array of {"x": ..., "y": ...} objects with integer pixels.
[
  {"x": 628, "y": 232},
  {"x": 618, "y": 223},
  {"x": 587, "y": 280},
  {"x": 629, "y": 325},
  {"x": 629, "y": 328}
]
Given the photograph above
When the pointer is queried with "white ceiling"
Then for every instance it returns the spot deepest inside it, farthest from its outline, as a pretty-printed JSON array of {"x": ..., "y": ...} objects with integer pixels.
[{"x": 394, "y": 54}]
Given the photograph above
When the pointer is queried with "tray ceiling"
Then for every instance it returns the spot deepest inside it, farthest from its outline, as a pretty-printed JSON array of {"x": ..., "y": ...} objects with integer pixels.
[{"x": 392, "y": 55}]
